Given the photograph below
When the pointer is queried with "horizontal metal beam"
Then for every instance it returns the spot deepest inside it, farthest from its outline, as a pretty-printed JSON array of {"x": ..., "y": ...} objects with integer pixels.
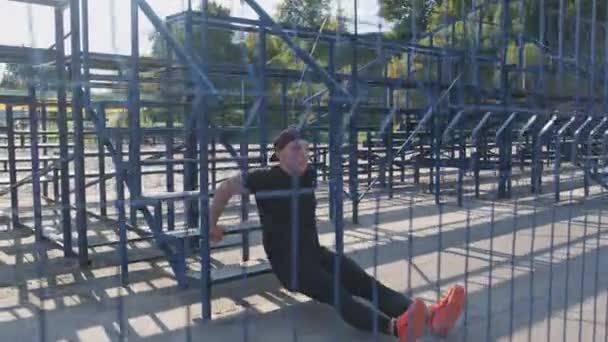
[{"x": 52, "y": 3}]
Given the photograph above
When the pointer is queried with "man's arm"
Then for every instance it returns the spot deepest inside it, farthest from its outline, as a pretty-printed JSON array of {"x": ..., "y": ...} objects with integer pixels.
[{"x": 228, "y": 188}]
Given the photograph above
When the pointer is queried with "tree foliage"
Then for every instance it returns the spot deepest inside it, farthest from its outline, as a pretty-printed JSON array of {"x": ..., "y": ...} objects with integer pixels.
[{"x": 308, "y": 13}]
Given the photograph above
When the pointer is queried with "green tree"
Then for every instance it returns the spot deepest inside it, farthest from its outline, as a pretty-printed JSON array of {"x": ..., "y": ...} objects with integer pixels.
[{"x": 308, "y": 13}]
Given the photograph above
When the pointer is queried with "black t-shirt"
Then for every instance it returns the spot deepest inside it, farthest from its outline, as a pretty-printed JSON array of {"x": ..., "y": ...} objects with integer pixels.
[{"x": 285, "y": 204}]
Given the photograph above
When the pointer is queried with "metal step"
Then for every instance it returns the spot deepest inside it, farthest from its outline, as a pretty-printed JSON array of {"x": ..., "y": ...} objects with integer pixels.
[{"x": 234, "y": 271}]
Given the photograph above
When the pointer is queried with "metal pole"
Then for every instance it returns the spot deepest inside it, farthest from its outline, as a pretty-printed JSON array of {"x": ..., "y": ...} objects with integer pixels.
[
  {"x": 353, "y": 131},
  {"x": 101, "y": 159},
  {"x": 33, "y": 121},
  {"x": 134, "y": 111},
  {"x": 353, "y": 170},
  {"x": 12, "y": 167},
  {"x": 120, "y": 207},
  {"x": 43, "y": 117},
  {"x": 335, "y": 179},
  {"x": 190, "y": 169},
  {"x": 62, "y": 126},
  {"x": 79, "y": 167},
  {"x": 262, "y": 112},
  {"x": 203, "y": 136}
]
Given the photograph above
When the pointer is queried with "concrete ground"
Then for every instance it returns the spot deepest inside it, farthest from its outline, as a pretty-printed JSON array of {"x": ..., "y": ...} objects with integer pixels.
[{"x": 531, "y": 269}]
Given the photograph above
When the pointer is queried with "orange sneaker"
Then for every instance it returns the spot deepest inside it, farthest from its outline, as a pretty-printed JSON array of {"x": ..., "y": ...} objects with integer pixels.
[
  {"x": 410, "y": 325},
  {"x": 446, "y": 312}
]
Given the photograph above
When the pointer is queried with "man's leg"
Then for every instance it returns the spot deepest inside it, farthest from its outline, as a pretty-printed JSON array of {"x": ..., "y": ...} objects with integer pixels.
[
  {"x": 319, "y": 285},
  {"x": 359, "y": 283}
]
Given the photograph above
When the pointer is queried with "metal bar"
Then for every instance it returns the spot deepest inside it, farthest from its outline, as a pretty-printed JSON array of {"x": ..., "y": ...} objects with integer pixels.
[
  {"x": 169, "y": 172},
  {"x": 103, "y": 203},
  {"x": 33, "y": 122},
  {"x": 79, "y": 167},
  {"x": 389, "y": 143},
  {"x": 12, "y": 167},
  {"x": 606, "y": 65},
  {"x": 461, "y": 169},
  {"x": 504, "y": 140},
  {"x": 261, "y": 88},
  {"x": 190, "y": 178},
  {"x": 335, "y": 179},
  {"x": 560, "y": 43},
  {"x": 134, "y": 171},
  {"x": 558, "y": 156},
  {"x": 203, "y": 136},
  {"x": 593, "y": 47},
  {"x": 476, "y": 142},
  {"x": 353, "y": 160},
  {"x": 86, "y": 73},
  {"x": 122, "y": 214},
  {"x": 589, "y": 154},
  {"x": 537, "y": 155},
  {"x": 452, "y": 125},
  {"x": 43, "y": 120},
  {"x": 577, "y": 53},
  {"x": 576, "y": 139}
]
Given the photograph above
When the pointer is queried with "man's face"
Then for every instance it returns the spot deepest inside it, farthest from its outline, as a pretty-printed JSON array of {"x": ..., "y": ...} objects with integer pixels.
[{"x": 294, "y": 156}]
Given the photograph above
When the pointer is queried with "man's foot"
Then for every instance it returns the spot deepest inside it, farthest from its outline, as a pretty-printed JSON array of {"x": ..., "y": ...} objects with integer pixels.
[
  {"x": 410, "y": 325},
  {"x": 446, "y": 312}
]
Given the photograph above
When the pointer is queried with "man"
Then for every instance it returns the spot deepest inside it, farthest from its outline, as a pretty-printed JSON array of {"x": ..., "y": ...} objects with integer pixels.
[{"x": 286, "y": 203}]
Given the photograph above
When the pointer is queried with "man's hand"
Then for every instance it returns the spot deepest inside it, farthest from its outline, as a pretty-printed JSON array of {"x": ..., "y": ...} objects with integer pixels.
[{"x": 216, "y": 234}]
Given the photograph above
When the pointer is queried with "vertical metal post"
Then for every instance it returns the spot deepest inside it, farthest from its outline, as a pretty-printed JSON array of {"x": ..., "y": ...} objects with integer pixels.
[
  {"x": 577, "y": 53},
  {"x": 169, "y": 171},
  {"x": 261, "y": 88},
  {"x": 213, "y": 155},
  {"x": 79, "y": 168},
  {"x": 62, "y": 127},
  {"x": 437, "y": 133},
  {"x": 122, "y": 215},
  {"x": 335, "y": 179},
  {"x": 12, "y": 165},
  {"x": 504, "y": 139},
  {"x": 33, "y": 121},
  {"x": 43, "y": 126},
  {"x": 593, "y": 48},
  {"x": 86, "y": 77},
  {"x": 560, "y": 43},
  {"x": 190, "y": 169},
  {"x": 541, "y": 23},
  {"x": 134, "y": 111},
  {"x": 370, "y": 145},
  {"x": 353, "y": 171},
  {"x": 103, "y": 203},
  {"x": 203, "y": 136},
  {"x": 389, "y": 140},
  {"x": 169, "y": 141},
  {"x": 558, "y": 156},
  {"x": 606, "y": 63}
]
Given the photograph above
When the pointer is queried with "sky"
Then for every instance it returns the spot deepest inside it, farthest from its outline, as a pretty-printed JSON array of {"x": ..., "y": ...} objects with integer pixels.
[{"x": 32, "y": 25}]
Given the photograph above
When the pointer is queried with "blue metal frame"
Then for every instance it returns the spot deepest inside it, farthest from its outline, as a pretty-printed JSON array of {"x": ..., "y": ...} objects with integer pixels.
[
  {"x": 64, "y": 169},
  {"x": 476, "y": 142},
  {"x": 589, "y": 154},
  {"x": 537, "y": 171},
  {"x": 12, "y": 167},
  {"x": 33, "y": 122},
  {"x": 135, "y": 138},
  {"x": 558, "y": 156},
  {"x": 77, "y": 106}
]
